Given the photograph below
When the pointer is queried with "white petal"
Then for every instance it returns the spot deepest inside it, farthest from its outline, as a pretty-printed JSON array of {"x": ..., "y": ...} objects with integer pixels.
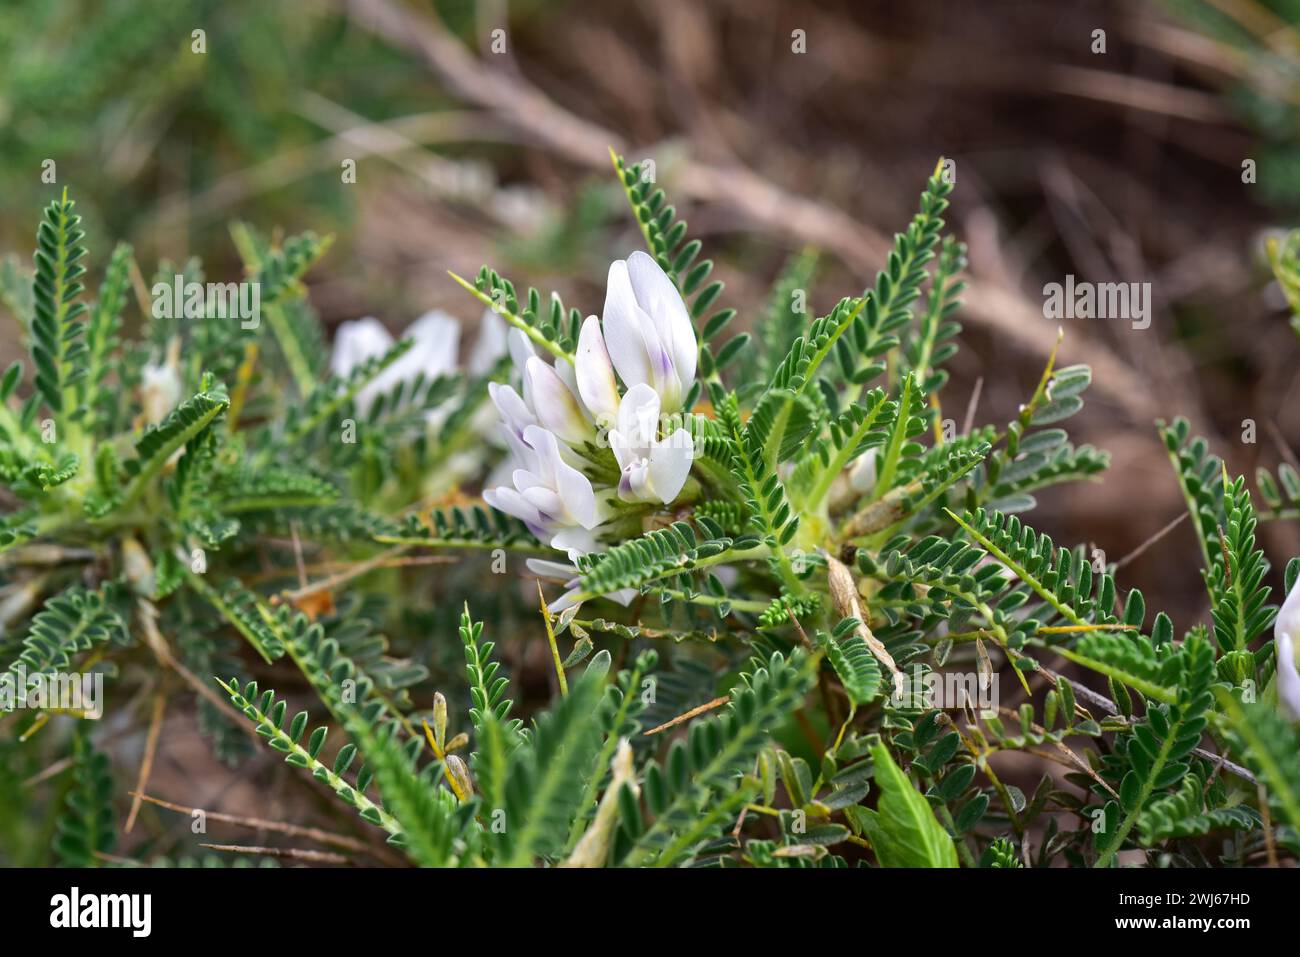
[
  {"x": 357, "y": 341},
  {"x": 506, "y": 499},
  {"x": 437, "y": 343},
  {"x": 554, "y": 571},
  {"x": 555, "y": 405},
  {"x": 565, "y": 601},
  {"x": 574, "y": 488},
  {"x": 1286, "y": 632},
  {"x": 489, "y": 345},
  {"x": 623, "y": 596},
  {"x": 578, "y": 496},
  {"x": 634, "y": 483},
  {"x": 862, "y": 474},
  {"x": 160, "y": 391},
  {"x": 638, "y": 417},
  {"x": 545, "y": 500},
  {"x": 661, "y": 301},
  {"x": 524, "y": 479},
  {"x": 520, "y": 348},
  {"x": 515, "y": 413},
  {"x": 521, "y": 453},
  {"x": 670, "y": 463},
  {"x": 623, "y": 321},
  {"x": 1288, "y": 681},
  {"x": 575, "y": 542},
  {"x": 624, "y": 453},
  {"x": 595, "y": 373},
  {"x": 546, "y": 449}
]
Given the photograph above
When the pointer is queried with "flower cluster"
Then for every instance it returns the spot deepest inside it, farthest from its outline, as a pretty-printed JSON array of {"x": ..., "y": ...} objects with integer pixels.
[{"x": 582, "y": 450}]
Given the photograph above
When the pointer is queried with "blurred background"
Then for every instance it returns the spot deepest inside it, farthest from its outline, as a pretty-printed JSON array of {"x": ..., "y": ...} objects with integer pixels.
[{"x": 1106, "y": 139}]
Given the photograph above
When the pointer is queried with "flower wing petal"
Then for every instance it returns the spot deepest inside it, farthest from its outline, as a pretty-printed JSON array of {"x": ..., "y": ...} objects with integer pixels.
[{"x": 670, "y": 463}]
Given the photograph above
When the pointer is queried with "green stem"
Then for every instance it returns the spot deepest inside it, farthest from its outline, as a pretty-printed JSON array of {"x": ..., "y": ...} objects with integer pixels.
[
  {"x": 1157, "y": 765},
  {"x": 535, "y": 335},
  {"x": 291, "y": 349}
]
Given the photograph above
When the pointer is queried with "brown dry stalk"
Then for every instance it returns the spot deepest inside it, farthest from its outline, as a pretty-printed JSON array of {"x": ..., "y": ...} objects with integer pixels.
[
  {"x": 261, "y": 824},
  {"x": 292, "y": 853},
  {"x": 150, "y": 749},
  {"x": 682, "y": 718},
  {"x": 382, "y": 560},
  {"x": 879, "y": 514},
  {"x": 158, "y": 645},
  {"x": 844, "y": 595}
]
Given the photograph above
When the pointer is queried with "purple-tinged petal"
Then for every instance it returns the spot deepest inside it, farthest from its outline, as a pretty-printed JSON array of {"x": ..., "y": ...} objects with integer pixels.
[
  {"x": 556, "y": 407},
  {"x": 661, "y": 301}
]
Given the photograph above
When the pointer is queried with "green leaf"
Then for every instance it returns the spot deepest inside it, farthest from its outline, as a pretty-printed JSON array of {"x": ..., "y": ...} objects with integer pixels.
[
  {"x": 86, "y": 828},
  {"x": 903, "y": 829},
  {"x": 58, "y": 348},
  {"x": 160, "y": 442}
]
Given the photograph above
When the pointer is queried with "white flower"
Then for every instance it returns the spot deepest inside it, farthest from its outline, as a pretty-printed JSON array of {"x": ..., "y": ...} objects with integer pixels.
[
  {"x": 595, "y": 374},
  {"x": 551, "y": 414},
  {"x": 1286, "y": 632},
  {"x": 652, "y": 469},
  {"x": 437, "y": 340},
  {"x": 647, "y": 330},
  {"x": 567, "y": 575},
  {"x": 862, "y": 474},
  {"x": 160, "y": 390},
  {"x": 550, "y": 496},
  {"x": 555, "y": 402},
  {"x": 489, "y": 344}
]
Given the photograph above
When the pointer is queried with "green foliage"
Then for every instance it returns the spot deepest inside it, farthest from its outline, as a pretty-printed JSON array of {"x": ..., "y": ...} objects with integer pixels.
[
  {"x": 903, "y": 829},
  {"x": 159, "y": 443},
  {"x": 1280, "y": 493},
  {"x": 487, "y": 688},
  {"x": 458, "y": 527},
  {"x": 784, "y": 316},
  {"x": 86, "y": 829},
  {"x": 58, "y": 343},
  {"x": 1155, "y": 751},
  {"x": 1062, "y": 578},
  {"x": 663, "y": 554},
  {"x": 1001, "y": 853},
  {"x": 852, "y": 661},
  {"x": 552, "y": 328},
  {"x": 834, "y": 533},
  {"x": 887, "y": 306},
  {"x": 1200, "y": 475},
  {"x": 542, "y": 787},
  {"x": 1236, "y": 575},
  {"x": 689, "y": 798},
  {"x": 268, "y": 713},
  {"x": 102, "y": 334},
  {"x": 69, "y": 623},
  {"x": 1267, "y": 742},
  {"x": 1185, "y": 813},
  {"x": 757, "y": 448}
]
